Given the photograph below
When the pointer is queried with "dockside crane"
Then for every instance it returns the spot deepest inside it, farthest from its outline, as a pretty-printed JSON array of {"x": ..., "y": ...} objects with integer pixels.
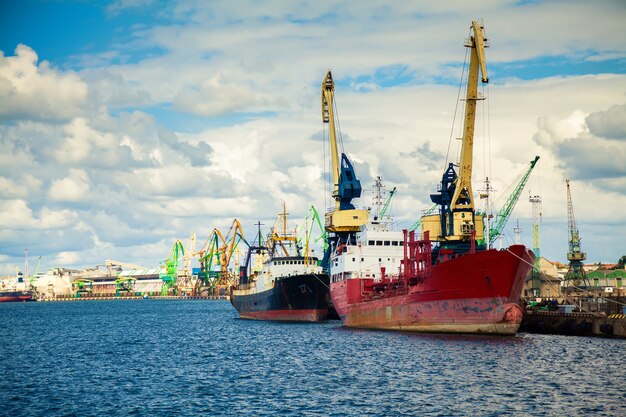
[
  {"x": 457, "y": 222},
  {"x": 312, "y": 219},
  {"x": 209, "y": 255},
  {"x": 576, "y": 277},
  {"x": 535, "y": 201},
  {"x": 233, "y": 238},
  {"x": 171, "y": 268},
  {"x": 218, "y": 252},
  {"x": 503, "y": 215},
  {"x": 344, "y": 220}
]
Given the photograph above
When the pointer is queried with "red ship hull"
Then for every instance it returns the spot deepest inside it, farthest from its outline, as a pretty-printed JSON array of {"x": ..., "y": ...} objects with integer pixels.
[{"x": 473, "y": 293}]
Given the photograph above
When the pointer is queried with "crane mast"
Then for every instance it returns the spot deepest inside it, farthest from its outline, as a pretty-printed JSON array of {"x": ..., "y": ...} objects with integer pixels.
[
  {"x": 457, "y": 220},
  {"x": 463, "y": 198}
]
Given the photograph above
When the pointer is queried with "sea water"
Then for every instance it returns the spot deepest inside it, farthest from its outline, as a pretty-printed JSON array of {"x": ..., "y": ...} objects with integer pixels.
[{"x": 195, "y": 357}]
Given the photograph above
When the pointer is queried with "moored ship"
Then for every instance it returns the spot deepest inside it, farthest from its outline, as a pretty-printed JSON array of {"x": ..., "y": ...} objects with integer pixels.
[
  {"x": 436, "y": 291},
  {"x": 15, "y": 296},
  {"x": 282, "y": 283},
  {"x": 14, "y": 290},
  {"x": 447, "y": 281}
]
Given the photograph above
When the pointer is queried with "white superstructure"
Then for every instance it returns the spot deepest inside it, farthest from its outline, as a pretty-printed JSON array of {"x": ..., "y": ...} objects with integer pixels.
[{"x": 377, "y": 247}]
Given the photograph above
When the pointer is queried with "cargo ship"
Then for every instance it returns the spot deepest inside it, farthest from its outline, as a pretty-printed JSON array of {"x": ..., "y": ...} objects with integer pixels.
[
  {"x": 7, "y": 296},
  {"x": 15, "y": 290},
  {"x": 283, "y": 282},
  {"x": 449, "y": 280}
]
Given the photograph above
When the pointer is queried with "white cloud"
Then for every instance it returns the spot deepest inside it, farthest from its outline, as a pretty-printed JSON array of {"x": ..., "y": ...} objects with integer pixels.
[
  {"x": 17, "y": 215},
  {"x": 31, "y": 91},
  {"x": 215, "y": 97},
  {"x": 22, "y": 187},
  {"x": 610, "y": 123},
  {"x": 72, "y": 188},
  {"x": 67, "y": 258}
]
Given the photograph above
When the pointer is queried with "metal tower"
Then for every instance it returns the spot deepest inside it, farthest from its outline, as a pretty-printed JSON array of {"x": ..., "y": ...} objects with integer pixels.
[
  {"x": 517, "y": 230},
  {"x": 535, "y": 200},
  {"x": 576, "y": 275}
]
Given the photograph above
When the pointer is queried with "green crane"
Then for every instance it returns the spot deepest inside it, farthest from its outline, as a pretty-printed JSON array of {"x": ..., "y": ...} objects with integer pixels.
[
  {"x": 303, "y": 242},
  {"x": 171, "y": 267},
  {"x": 386, "y": 206},
  {"x": 503, "y": 215},
  {"x": 315, "y": 219}
]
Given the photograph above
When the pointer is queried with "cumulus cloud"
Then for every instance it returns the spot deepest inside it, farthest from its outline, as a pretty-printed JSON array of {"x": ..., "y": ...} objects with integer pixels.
[
  {"x": 23, "y": 186},
  {"x": 85, "y": 146},
  {"x": 32, "y": 91},
  {"x": 198, "y": 155},
  {"x": 215, "y": 97},
  {"x": 588, "y": 147},
  {"x": 17, "y": 215},
  {"x": 610, "y": 124},
  {"x": 72, "y": 188},
  {"x": 592, "y": 158}
]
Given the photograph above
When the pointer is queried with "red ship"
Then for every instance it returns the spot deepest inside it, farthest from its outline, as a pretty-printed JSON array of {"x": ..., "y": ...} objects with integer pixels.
[
  {"x": 474, "y": 292},
  {"x": 454, "y": 282}
]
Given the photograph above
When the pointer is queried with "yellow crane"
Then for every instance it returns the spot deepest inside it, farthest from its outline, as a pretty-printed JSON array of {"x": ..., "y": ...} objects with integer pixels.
[
  {"x": 345, "y": 217},
  {"x": 457, "y": 220}
]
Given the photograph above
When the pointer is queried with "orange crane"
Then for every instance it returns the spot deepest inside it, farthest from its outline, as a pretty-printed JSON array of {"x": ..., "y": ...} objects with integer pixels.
[{"x": 218, "y": 251}]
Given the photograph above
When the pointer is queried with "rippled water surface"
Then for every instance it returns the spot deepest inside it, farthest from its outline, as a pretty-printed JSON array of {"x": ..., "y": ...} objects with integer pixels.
[{"x": 183, "y": 357}]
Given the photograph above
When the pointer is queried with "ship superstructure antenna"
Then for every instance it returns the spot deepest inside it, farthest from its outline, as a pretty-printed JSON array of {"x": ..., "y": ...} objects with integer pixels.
[
  {"x": 535, "y": 201},
  {"x": 576, "y": 273},
  {"x": 485, "y": 194},
  {"x": 517, "y": 230},
  {"x": 259, "y": 233},
  {"x": 378, "y": 196},
  {"x": 25, "y": 266},
  {"x": 280, "y": 236}
]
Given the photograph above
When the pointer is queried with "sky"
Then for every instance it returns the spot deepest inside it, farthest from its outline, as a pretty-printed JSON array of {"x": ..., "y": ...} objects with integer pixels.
[{"x": 127, "y": 125}]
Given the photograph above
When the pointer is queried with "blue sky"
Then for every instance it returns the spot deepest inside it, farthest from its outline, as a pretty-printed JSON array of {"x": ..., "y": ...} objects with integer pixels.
[{"x": 126, "y": 125}]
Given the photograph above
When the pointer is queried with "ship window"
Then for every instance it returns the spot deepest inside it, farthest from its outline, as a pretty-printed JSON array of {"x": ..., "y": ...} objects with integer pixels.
[
  {"x": 380, "y": 259},
  {"x": 387, "y": 243},
  {"x": 379, "y": 243},
  {"x": 388, "y": 259},
  {"x": 401, "y": 243},
  {"x": 362, "y": 259},
  {"x": 370, "y": 243},
  {"x": 394, "y": 243},
  {"x": 353, "y": 259}
]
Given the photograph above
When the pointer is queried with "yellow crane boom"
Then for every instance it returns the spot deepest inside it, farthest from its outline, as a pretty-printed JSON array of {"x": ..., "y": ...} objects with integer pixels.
[{"x": 345, "y": 217}]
